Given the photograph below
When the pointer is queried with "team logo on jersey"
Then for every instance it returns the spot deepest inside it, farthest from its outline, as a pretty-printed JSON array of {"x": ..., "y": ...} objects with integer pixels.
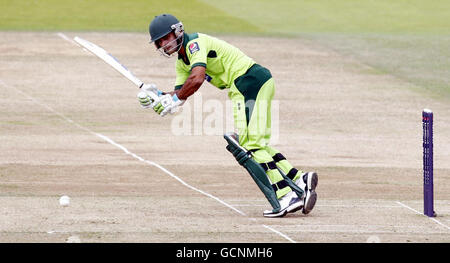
[{"x": 193, "y": 47}]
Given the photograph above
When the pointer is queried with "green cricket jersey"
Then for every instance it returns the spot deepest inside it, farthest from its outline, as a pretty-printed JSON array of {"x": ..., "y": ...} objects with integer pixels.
[
  {"x": 251, "y": 90},
  {"x": 223, "y": 62}
]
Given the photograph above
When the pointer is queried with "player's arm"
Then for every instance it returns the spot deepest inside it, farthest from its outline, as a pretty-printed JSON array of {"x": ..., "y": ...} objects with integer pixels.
[
  {"x": 192, "y": 83},
  {"x": 170, "y": 102}
]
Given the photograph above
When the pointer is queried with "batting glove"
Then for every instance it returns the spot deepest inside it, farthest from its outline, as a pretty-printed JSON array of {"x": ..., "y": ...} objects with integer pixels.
[
  {"x": 167, "y": 103},
  {"x": 148, "y": 95}
]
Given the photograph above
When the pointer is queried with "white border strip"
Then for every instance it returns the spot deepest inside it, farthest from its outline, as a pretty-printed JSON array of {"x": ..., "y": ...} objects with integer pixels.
[
  {"x": 279, "y": 233},
  {"x": 431, "y": 218}
]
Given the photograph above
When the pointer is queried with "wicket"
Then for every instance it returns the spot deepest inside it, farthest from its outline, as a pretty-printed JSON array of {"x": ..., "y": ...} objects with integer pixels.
[{"x": 427, "y": 122}]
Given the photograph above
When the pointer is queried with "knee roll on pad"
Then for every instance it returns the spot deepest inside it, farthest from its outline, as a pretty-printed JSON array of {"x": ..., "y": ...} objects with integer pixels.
[{"x": 243, "y": 157}]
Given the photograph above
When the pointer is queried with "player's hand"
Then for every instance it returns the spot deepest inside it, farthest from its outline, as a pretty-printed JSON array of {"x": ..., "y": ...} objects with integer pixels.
[
  {"x": 167, "y": 103},
  {"x": 148, "y": 95}
]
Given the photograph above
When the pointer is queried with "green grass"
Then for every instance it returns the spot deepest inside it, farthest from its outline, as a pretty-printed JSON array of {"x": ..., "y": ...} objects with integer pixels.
[
  {"x": 113, "y": 15},
  {"x": 289, "y": 17},
  {"x": 420, "y": 59},
  {"x": 342, "y": 16},
  {"x": 409, "y": 39}
]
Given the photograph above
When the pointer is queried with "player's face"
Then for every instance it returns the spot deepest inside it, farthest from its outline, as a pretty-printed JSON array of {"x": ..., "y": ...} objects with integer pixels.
[{"x": 168, "y": 43}]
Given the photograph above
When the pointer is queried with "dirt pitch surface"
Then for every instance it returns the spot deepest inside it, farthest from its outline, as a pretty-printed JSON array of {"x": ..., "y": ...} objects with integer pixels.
[{"x": 71, "y": 125}]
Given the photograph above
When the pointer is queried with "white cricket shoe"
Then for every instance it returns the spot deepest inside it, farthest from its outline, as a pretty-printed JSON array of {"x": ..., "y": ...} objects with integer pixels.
[
  {"x": 310, "y": 179},
  {"x": 308, "y": 182},
  {"x": 289, "y": 203}
]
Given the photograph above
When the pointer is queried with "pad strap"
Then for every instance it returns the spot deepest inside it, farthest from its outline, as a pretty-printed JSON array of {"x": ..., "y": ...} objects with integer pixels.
[
  {"x": 268, "y": 166},
  {"x": 292, "y": 173},
  {"x": 278, "y": 157},
  {"x": 280, "y": 185},
  {"x": 272, "y": 166}
]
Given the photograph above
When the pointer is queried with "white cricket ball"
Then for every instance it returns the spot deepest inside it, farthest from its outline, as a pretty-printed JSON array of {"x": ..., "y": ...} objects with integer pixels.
[{"x": 64, "y": 200}]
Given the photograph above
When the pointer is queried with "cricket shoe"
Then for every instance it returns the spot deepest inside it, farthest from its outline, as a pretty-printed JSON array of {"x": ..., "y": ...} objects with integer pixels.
[
  {"x": 310, "y": 180},
  {"x": 289, "y": 203}
]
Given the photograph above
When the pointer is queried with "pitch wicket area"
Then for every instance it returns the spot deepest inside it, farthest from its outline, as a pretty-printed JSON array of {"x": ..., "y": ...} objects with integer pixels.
[{"x": 118, "y": 198}]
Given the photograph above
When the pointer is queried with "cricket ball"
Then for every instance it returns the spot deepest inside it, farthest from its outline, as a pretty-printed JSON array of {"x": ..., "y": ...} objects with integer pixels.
[{"x": 64, "y": 200}]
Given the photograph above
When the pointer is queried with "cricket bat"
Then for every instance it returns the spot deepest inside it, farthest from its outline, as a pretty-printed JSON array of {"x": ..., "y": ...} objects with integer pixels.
[{"x": 112, "y": 61}]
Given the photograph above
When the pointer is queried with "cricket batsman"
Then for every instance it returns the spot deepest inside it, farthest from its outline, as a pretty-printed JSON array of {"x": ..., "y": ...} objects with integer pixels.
[{"x": 251, "y": 89}]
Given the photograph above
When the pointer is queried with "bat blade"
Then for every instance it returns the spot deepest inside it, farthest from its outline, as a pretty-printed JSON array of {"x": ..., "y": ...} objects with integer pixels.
[{"x": 109, "y": 59}]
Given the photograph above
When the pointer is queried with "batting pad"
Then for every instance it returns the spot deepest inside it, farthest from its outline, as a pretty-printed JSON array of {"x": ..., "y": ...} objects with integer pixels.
[{"x": 253, "y": 168}]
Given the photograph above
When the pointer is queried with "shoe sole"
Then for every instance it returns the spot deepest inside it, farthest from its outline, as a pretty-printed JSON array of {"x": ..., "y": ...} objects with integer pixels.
[
  {"x": 312, "y": 181},
  {"x": 311, "y": 198},
  {"x": 279, "y": 214},
  {"x": 295, "y": 207},
  {"x": 310, "y": 202},
  {"x": 290, "y": 209}
]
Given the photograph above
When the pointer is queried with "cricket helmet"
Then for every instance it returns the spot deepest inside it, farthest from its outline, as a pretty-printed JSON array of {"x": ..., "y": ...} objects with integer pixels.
[{"x": 164, "y": 24}]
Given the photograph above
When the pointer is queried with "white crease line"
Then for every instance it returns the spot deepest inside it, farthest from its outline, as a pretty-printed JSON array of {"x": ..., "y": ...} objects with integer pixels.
[
  {"x": 167, "y": 172},
  {"x": 441, "y": 202},
  {"x": 105, "y": 138},
  {"x": 431, "y": 218},
  {"x": 279, "y": 233}
]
